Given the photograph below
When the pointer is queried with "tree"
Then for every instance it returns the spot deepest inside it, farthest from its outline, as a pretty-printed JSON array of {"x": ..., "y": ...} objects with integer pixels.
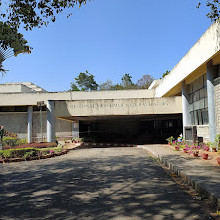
[
  {"x": 145, "y": 82},
  {"x": 108, "y": 85},
  {"x": 166, "y": 73},
  {"x": 5, "y": 54},
  {"x": 73, "y": 87},
  {"x": 85, "y": 82},
  {"x": 214, "y": 6},
  {"x": 29, "y": 14},
  {"x": 126, "y": 82}
]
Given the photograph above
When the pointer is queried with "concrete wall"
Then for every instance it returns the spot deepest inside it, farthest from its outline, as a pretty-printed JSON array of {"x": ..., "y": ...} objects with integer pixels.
[
  {"x": 197, "y": 55},
  {"x": 217, "y": 104},
  {"x": 17, "y": 123},
  {"x": 203, "y": 131},
  {"x": 118, "y": 107},
  {"x": 14, "y": 88},
  {"x": 13, "y": 99}
]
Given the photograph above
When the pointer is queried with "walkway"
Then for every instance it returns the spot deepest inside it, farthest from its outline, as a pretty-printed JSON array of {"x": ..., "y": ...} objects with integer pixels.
[
  {"x": 204, "y": 175},
  {"x": 93, "y": 184}
]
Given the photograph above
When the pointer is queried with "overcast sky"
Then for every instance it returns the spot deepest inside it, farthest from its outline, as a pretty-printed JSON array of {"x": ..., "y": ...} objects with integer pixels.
[{"x": 110, "y": 38}]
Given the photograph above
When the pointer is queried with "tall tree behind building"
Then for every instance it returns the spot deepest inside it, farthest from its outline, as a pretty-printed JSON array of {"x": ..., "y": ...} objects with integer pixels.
[
  {"x": 145, "y": 82},
  {"x": 84, "y": 82}
]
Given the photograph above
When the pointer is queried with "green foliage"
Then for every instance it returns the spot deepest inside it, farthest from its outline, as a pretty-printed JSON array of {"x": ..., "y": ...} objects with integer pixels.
[
  {"x": 17, "y": 153},
  {"x": 214, "y": 6},
  {"x": 34, "y": 145},
  {"x": 10, "y": 38},
  {"x": 35, "y": 13},
  {"x": 28, "y": 152},
  {"x": 170, "y": 140},
  {"x": 85, "y": 82},
  {"x": 74, "y": 87},
  {"x": 13, "y": 141},
  {"x": 166, "y": 73},
  {"x": 27, "y": 14},
  {"x": 126, "y": 81}
]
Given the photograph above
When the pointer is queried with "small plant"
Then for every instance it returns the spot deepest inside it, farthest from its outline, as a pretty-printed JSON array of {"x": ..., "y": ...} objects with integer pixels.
[
  {"x": 206, "y": 148},
  {"x": 217, "y": 140},
  {"x": 170, "y": 140},
  {"x": 177, "y": 148},
  {"x": 212, "y": 145}
]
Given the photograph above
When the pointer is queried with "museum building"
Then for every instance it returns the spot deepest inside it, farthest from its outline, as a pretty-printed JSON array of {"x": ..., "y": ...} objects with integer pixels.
[{"x": 185, "y": 101}]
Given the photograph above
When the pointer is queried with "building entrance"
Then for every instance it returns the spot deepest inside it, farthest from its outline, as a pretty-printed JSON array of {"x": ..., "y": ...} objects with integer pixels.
[{"x": 151, "y": 129}]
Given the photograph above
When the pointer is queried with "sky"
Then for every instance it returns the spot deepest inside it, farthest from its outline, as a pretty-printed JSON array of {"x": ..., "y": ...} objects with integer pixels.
[{"x": 109, "y": 38}]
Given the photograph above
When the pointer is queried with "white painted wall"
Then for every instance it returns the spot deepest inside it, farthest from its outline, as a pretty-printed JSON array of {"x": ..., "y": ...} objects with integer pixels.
[
  {"x": 13, "y": 99},
  {"x": 206, "y": 47}
]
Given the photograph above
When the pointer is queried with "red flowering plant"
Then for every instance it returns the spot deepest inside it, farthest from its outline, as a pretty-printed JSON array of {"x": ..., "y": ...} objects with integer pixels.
[
  {"x": 205, "y": 147},
  {"x": 186, "y": 148},
  {"x": 194, "y": 149}
]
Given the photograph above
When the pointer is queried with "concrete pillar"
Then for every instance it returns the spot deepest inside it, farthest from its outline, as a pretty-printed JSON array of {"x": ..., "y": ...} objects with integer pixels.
[
  {"x": 185, "y": 106},
  {"x": 50, "y": 122},
  {"x": 75, "y": 130},
  {"x": 211, "y": 72},
  {"x": 29, "y": 127}
]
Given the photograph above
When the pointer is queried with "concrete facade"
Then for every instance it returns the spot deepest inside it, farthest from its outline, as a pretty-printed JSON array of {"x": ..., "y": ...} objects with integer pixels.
[
  {"x": 192, "y": 89},
  {"x": 200, "y": 69},
  {"x": 118, "y": 107},
  {"x": 217, "y": 104}
]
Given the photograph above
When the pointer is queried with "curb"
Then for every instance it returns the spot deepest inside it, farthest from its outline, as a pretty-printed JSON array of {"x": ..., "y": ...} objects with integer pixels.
[{"x": 215, "y": 202}]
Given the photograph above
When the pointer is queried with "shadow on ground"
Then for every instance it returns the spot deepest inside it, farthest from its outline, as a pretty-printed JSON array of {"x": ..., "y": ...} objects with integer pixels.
[{"x": 98, "y": 188}]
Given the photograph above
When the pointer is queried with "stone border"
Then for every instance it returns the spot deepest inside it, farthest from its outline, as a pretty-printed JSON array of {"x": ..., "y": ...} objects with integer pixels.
[{"x": 215, "y": 202}]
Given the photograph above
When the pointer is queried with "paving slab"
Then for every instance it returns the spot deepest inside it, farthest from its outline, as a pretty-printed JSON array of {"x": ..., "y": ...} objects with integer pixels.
[{"x": 201, "y": 174}]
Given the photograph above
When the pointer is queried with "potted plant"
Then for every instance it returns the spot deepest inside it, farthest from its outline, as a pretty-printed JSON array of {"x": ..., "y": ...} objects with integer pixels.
[
  {"x": 185, "y": 150},
  {"x": 177, "y": 148},
  {"x": 206, "y": 148},
  {"x": 205, "y": 156},
  {"x": 195, "y": 153}
]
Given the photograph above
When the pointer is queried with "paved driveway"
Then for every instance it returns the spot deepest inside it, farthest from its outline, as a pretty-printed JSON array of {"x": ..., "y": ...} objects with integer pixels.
[{"x": 96, "y": 184}]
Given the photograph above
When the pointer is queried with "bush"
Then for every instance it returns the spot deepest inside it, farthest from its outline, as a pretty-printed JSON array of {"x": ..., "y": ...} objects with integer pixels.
[
  {"x": 18, "y": 153},
  {"x": 13, "y": 141},
  {"x": 28, "y": 152},
  {"x": 34, "y": 145}
]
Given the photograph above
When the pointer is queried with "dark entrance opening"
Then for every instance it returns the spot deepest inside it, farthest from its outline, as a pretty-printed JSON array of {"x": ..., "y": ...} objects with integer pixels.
[{"x": 144, "y": 129}]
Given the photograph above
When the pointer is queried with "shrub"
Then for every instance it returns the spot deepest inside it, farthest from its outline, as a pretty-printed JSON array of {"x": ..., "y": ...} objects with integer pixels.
[
  {"x": 13, "y": 141},
  {"x": 17, "y": 153},
  {"x": 35, "y": 145}
]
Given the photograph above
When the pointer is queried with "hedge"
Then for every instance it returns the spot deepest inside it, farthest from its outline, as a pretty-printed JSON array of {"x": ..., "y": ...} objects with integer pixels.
[
  {"x": 32, "y": 145},
  {"x": 13, "y": 141},
  {"x": 28, "y": 152}
]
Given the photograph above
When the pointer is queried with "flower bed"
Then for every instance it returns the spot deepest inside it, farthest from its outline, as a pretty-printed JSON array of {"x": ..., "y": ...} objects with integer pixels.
[
  {"x": 21, "y": 154},
  {"x": 198, "y": 150}
]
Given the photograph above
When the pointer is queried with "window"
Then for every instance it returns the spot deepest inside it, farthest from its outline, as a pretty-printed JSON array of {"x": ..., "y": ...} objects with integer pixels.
[{"x": 198, "y": 101}]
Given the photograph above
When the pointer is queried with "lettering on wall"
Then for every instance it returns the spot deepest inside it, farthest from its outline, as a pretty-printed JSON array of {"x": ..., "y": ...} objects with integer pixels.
[{"x": 116, "y": 105}]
